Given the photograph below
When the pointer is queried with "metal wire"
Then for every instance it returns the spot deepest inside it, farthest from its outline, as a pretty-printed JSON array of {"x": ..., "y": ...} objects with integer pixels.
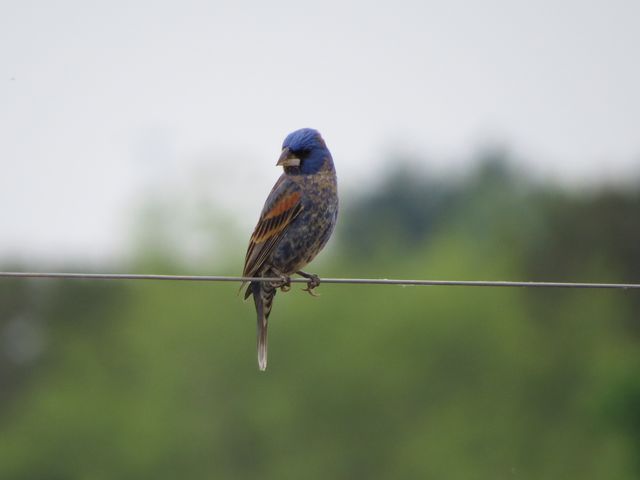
[{"x": 357, "y": 281}]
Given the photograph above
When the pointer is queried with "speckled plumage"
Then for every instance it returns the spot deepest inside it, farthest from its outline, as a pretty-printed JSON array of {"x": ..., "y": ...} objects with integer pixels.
[{"x": 295, "y": 224}]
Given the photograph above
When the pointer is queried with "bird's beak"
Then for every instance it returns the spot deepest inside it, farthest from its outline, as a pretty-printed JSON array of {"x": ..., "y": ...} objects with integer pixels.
[{"x": 288, "y": 159}]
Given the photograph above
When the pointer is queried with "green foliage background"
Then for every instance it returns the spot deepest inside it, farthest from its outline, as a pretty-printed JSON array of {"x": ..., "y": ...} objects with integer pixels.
[{"x": 137, "y": 380}]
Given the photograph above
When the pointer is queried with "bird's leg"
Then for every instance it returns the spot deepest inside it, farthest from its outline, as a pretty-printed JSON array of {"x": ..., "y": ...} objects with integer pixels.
[
  {"x": 314, "y": 281},
  {"x": 285, "y": 280}
]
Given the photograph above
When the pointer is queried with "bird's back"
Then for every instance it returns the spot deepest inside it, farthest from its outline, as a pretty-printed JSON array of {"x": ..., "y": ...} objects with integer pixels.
[{"x": 310, "y": 231}]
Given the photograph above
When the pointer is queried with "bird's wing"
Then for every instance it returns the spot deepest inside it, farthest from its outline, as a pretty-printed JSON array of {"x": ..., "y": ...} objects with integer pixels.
[{"x": 282, "y": 206}]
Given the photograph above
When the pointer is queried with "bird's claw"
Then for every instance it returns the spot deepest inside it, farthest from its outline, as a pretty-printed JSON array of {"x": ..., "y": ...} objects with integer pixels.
[
  {"x": 314, "y": 281},
  {"x": 285, "y": 283}
]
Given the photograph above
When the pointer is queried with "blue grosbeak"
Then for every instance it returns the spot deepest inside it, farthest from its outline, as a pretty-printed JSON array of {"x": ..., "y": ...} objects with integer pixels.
[{"x": 296, "y": 221}]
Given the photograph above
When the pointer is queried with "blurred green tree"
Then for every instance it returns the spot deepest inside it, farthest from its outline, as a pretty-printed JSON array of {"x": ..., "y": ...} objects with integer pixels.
[{"x": 158, "y": 380}]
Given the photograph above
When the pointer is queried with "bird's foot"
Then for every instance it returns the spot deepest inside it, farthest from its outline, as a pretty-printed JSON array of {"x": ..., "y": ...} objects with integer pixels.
[
  {"x": 285, "y": 283},
  {"x": 314, "y": 281},
  {"x": 285, "y": 280}
]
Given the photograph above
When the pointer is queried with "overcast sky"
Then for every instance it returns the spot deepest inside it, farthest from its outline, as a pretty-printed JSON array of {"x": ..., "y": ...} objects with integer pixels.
[{"x": 103, "y": 102}]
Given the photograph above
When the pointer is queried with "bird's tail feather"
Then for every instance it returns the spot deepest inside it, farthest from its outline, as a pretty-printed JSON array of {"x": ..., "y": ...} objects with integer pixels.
[{"x": 263, "y": 294}]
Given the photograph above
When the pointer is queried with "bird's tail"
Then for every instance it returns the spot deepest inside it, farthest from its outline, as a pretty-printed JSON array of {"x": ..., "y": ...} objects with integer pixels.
[{"x": 263, "y": 294}]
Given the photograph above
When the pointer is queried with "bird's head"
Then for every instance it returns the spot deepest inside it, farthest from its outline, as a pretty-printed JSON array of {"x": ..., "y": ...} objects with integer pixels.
[{"x": 305, "y": 152}]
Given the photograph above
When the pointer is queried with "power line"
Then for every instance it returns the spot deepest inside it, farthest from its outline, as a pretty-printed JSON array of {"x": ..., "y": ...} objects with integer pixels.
[{"x": 360, "y": 281}]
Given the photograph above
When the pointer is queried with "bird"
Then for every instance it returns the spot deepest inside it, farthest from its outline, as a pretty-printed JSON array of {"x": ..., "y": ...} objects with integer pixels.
[{"x": 295, "y": 224}]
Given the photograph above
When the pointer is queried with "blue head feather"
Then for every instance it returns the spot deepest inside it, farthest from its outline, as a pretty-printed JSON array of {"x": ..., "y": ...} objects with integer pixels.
[{"x": 309, "y": 147}]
